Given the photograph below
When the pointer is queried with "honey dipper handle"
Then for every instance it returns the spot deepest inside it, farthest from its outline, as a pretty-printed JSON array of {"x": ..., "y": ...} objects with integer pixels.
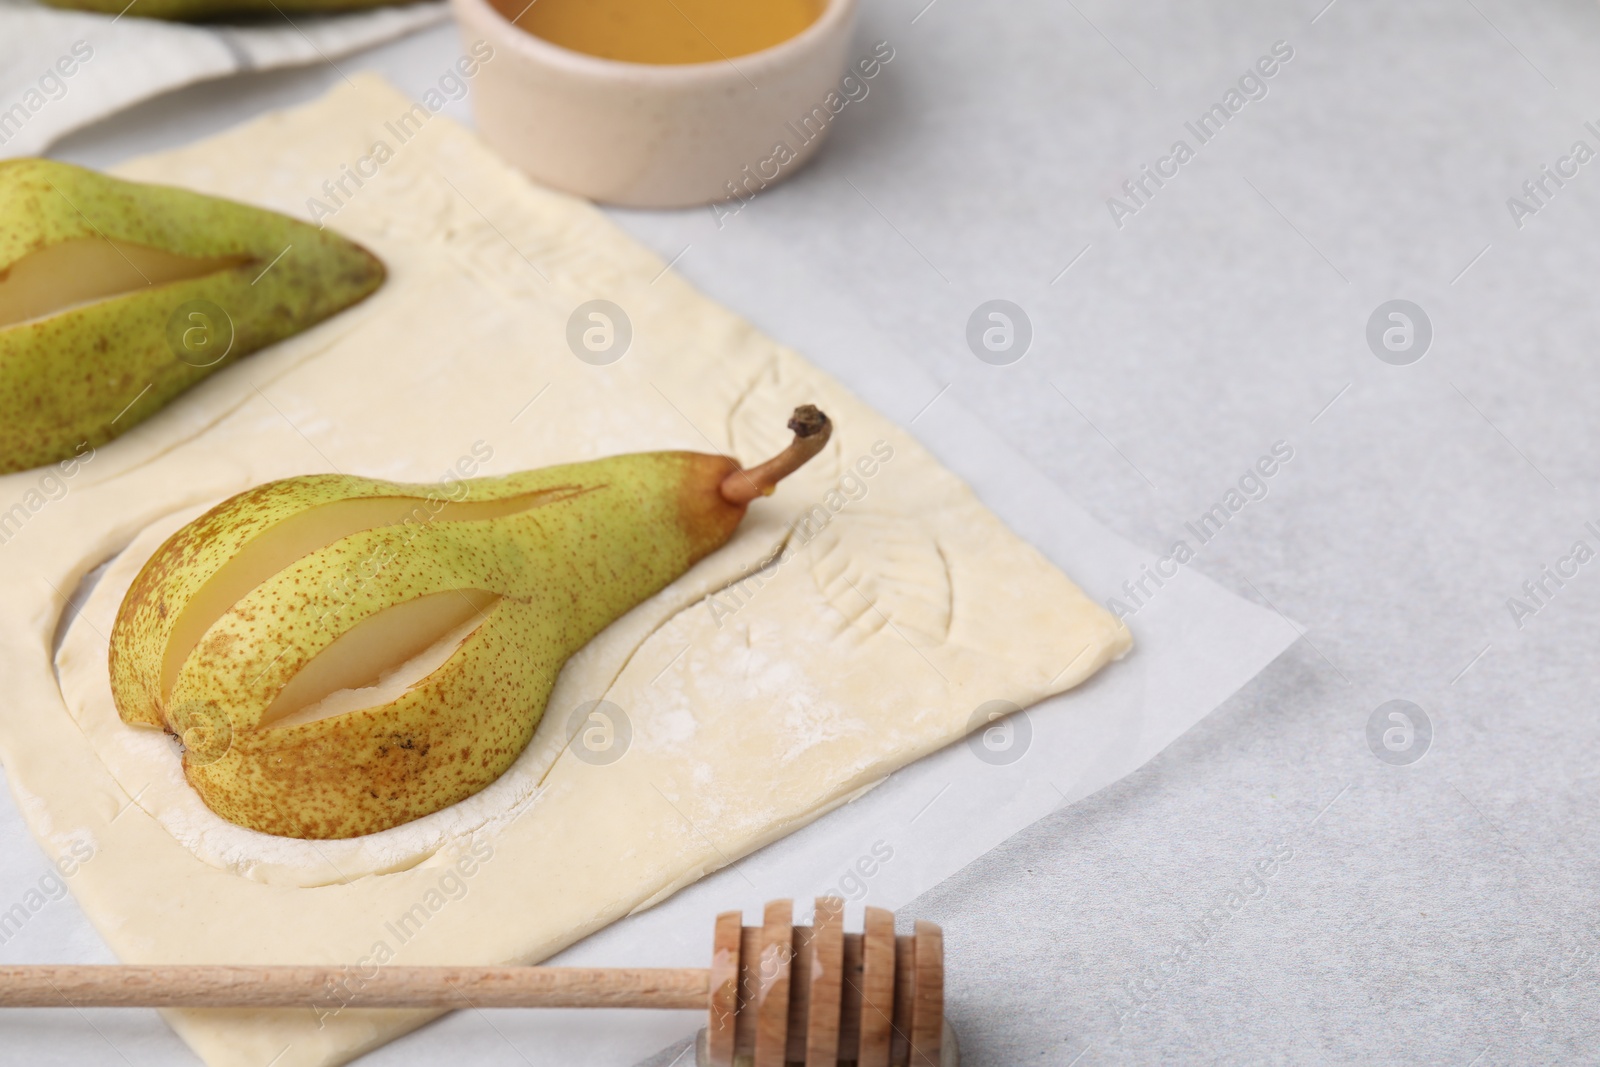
[{"x": 331, "y": 988}]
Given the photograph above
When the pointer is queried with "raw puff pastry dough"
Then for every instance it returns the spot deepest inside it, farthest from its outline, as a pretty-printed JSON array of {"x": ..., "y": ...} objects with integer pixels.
[{"x": 754, "y": 705}]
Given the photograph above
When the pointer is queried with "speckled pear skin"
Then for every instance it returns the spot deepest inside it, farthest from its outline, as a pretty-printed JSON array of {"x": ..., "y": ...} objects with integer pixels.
[
  {"x": 207, "y": 10},
  {"x": 600, "y": 538},
  {"x": 67, "y": 380}
]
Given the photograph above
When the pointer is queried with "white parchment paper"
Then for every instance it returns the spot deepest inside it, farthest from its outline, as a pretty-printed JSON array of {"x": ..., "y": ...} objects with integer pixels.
[{"x": 1195, "y": 645}]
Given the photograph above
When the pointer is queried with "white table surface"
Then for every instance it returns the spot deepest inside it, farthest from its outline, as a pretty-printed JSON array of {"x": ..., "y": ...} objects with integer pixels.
[{"x": 1441, "y": 912}]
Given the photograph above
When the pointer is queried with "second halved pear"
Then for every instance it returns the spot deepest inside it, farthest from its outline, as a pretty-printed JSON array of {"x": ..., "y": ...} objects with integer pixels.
[{"x": 249, "y": 626}]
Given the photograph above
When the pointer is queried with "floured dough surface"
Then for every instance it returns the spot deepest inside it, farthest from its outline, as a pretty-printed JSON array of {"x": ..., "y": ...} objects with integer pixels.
[{"x": 853, "y": 624}]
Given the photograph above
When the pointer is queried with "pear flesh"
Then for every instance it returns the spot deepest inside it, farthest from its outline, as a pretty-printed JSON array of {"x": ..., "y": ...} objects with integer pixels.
[
  {"x": 86, "y": 270},
  {"x": 115, "y": 297},
  {"x": 341, "y": 655}
]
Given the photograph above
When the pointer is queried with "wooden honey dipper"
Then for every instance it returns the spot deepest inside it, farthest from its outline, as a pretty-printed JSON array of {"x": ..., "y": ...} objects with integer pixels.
[{"x": 776, "y": 994}]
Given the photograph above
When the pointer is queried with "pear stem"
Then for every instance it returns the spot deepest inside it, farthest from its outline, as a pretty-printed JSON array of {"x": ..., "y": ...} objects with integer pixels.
[{"x": 811, "y": 432}]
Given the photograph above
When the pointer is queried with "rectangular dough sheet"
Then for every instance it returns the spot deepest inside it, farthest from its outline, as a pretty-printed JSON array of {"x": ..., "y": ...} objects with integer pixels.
[{"x": 755, "y": 700}]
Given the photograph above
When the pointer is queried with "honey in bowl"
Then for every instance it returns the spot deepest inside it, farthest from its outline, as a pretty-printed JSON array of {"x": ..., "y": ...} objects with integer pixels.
[{"x": 663, "y": 31}]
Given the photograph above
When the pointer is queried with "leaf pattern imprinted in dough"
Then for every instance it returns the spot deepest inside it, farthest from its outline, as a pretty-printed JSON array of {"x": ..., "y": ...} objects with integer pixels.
[{"x": 880, "y": 572}]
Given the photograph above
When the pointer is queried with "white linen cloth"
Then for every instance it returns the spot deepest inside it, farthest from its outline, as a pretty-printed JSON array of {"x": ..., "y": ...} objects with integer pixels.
[{"x": 61, "y": 70}]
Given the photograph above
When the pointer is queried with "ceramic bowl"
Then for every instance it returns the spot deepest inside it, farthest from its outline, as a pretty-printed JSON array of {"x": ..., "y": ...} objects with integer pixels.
[{"x": 647, "y": 135}]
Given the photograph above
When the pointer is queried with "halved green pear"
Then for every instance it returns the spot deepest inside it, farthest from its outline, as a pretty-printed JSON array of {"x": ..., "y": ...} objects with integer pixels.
[
  {"x": 117, "y": 296},
  {"x": 341, "y": 655}
]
